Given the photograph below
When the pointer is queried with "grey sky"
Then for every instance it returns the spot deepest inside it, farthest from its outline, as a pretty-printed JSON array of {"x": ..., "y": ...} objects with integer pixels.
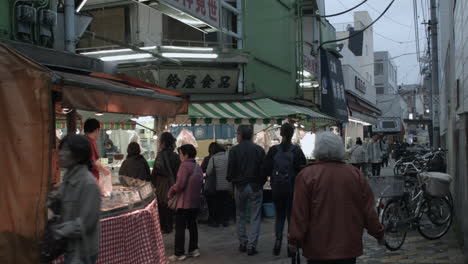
[{"x": 396, "y": 26}]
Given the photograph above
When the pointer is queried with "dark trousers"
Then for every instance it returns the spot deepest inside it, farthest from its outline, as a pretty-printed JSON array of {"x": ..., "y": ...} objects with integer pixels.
[
  {"x": 283, "y": 204},
  {"x": 211, "y": 202},
  {"x": 166, "y": 217},
  {"x": 376, "y": 169},
  {"x": 185, "y": 219},
  {"x": 340, "y": 261},
  {"x": 384, "y": 162},
  {"x": 221, "y": 207}
]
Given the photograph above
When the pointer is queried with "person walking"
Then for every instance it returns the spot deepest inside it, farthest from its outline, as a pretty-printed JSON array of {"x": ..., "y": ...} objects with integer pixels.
[
  {"x": 374, "y": 154},
  {"x": 217, "y": 171},
  {"x": 282, "y": 163},
  {"x": 80, "y": 201},
  {"x": 358, "y": 155},
  {"x": 135, "y": 165},
  {"x": 163, "y": 177},
  {"x": 92, "y": 127},
  {"x": 333, "y": 204},
  {"x": 188, "y": 187},
  {"x": 385, "y": 153},
  {"x": 245, "y": 172}
]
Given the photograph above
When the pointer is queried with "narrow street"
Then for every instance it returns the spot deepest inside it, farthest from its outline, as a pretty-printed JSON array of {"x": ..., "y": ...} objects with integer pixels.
[{"x": 219, "y": 245}]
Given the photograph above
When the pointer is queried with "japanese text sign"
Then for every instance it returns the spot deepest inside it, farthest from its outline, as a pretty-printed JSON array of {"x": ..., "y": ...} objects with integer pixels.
[{"x": 205, "y": 10}]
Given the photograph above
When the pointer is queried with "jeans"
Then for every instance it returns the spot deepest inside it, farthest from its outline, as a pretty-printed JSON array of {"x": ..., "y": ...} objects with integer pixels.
[
  {"x": 185, "y": 218},
  {"x": 340, "y": 261},
  {"x": 221, "y": 207},
  {"x": 86, "y": 260},
  {"x": 283, "y": 204},
  {"x": 166, "y": 217},
  {"x": 376, "y": 169},
  {"x": 243, "y": 197}
]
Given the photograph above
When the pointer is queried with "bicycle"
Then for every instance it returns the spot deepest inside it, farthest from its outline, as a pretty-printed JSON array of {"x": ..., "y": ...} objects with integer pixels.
[{"x": 421, "y": 207}]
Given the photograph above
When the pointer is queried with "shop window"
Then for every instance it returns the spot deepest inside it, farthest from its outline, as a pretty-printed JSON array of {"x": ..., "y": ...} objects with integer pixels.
[{"x": 115, "y": 18}]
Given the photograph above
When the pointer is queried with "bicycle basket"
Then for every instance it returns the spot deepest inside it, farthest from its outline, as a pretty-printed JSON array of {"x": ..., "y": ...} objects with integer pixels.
[
  {"x": 387, "y": 187},
  {"x": 436, "y": 184}
]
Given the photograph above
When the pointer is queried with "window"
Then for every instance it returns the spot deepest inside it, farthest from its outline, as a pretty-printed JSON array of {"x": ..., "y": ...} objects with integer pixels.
[
  {"x": 379, "y": 89},
  {"x": 378, "y": 69}
]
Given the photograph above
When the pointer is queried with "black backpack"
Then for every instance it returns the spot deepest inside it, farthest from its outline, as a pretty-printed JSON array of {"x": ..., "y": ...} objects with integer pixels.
[{"x": 283, "y": 169}]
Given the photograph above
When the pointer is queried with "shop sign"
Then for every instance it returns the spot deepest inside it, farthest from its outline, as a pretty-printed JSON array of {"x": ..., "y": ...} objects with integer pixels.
[
  {"x": 201, "y": 81},
  {"x": 310, "y": 65},
  {"x": 205, "y": 10},
  {"x": 333, "y": 90},
  {"x": 359, "y": 84}
]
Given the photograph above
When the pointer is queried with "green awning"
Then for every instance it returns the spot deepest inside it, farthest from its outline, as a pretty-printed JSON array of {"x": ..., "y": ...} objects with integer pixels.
[{"x": 275, "y": 109}]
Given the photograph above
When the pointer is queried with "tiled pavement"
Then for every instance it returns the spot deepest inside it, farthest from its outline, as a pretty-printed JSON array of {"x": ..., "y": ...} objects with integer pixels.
[{"x": 219, "y": 245}]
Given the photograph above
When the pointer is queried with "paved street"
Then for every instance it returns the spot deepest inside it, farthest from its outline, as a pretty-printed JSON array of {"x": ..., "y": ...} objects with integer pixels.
[{"x": 219, "y": 245}]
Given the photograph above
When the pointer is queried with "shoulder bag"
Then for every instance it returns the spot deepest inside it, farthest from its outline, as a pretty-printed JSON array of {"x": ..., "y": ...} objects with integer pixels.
[{"x": 172, "y": 202}]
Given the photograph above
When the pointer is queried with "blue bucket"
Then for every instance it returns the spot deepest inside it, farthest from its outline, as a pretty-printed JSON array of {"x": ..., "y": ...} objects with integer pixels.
[{"x": 268, "y": 210}]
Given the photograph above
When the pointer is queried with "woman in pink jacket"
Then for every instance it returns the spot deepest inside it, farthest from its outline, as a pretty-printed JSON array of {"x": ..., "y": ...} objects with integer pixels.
[{"x": 188, "y": 186}]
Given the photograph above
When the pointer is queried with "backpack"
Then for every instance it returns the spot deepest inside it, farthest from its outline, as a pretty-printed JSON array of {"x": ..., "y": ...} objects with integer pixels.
[{"x": 283, "y": 169}]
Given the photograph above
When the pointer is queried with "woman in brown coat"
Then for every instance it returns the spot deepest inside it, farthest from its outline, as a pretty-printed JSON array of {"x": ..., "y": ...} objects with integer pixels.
[{"x": 163, "y": 177}]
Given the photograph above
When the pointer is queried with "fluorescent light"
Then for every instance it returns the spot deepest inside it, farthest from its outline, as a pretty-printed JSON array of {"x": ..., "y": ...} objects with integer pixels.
[
  {"x": 305, "y": 84},
  {"x": 359, "y": 121},
  {"x": 108, "y": 132},
  {"x": 127, "y": 57},
  {"x": 155, "y": 137},
  {"x": 115, "y": 51},
  {"x": 99, "y": 113},
  {"x": 187, "y": 48},
  {"x": 315, "y": 84},
  {"x": 190, "y": 55},
  {"x": 81, "y": 5},
  {"x": 410, "y": 116}
]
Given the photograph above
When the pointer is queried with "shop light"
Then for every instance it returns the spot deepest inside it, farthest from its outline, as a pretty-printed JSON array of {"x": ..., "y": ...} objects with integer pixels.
[
  {"x": 66, "y": 110},
  {"x": 127, "y": 57},
  {"x": 108, "y": 132},
  {"x": 359, "y": 121},
  {"x": 190, "y": 55},
  {"x": 134, "y": 118},
  {"x": 302, "y": 126},
  {"x": 296, "y": 125},
  {"x": 305, "y": 84},
  {"x": 99, "y": 113},
  {"x": 410, "y": 116},
  {"x": 187, "y": 48},
  {"x": 115, "y": 51},
  {"x": 315, "y": 84},
  {"x": 305, "y": 73},
  {"x": 83, "y": 2},
  {"x": 155, "y": 137},
  {"x": 77, "y": 131},
  {"x": 428, "y": 111}
]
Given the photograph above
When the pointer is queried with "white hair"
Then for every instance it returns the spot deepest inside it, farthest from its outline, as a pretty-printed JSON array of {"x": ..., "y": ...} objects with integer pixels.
[{"x": 328, "y": 146}]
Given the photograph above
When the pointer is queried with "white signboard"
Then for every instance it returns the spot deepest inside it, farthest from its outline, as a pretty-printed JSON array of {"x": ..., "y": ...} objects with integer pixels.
[{"x": 205, "y": 10}]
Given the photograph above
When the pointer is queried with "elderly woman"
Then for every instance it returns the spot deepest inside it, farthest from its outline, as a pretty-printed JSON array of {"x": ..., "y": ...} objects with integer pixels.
[
  {"x": 135, "y": 165},
  {"x": 332, "y": 205}
]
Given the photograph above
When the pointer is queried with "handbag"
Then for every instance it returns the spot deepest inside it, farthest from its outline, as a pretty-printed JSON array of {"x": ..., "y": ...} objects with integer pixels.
[
  {"x": 51, "y": 247},
  {"x": 172, "y": 202},
  {"x": 210, "y": 185}
]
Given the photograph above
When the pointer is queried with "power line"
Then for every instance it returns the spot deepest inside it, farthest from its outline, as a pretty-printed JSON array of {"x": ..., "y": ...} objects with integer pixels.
[
  {"x": 362, "y": 30},
  {"x": 396, "y": 41},
  {"x": 389, "y": 18},
  {"x": 389, "y": 59},
  {"x": 346, "y": 11}
]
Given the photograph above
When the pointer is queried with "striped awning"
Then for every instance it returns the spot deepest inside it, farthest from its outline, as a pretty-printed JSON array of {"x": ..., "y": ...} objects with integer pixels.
[{"x": 235, "y": 110}]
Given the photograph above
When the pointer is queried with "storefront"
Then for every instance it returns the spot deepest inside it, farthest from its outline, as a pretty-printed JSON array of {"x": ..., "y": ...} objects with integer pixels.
[{"x": 35, "y": 101}]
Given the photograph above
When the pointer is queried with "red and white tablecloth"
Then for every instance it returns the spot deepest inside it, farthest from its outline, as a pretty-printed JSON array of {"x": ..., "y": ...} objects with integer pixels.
[{"x": 134, "y": 237}]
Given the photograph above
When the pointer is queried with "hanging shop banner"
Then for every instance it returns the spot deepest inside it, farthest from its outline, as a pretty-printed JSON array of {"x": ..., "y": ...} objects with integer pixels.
[
  {"x": 202, "y": 81},
  {"x": 333, "y": 90},
  {"x": 207, "y": 131},
  {"x": 310, "y": 62},
  {"x": 205, "y": 10}
]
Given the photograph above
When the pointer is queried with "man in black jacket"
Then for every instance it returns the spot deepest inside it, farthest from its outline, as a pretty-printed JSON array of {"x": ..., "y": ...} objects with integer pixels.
[
  {"x": 245, "y": 172},
  {"x": 283, "y": 162}
]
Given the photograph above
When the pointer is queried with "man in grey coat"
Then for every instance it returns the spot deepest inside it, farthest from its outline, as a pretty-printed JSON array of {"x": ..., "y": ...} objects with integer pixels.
[{"x": 374, "y": 154}]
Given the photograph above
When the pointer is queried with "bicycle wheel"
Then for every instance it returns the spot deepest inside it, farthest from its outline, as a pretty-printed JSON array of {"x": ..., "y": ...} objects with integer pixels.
[
  {"x": 399, "y": 170},
  {"x": 391, "y": 217},
  {"x": 435, "y": 219}
]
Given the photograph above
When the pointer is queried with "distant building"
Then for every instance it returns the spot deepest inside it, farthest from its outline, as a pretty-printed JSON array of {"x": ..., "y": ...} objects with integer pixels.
[{"x": 385, "y": 73}]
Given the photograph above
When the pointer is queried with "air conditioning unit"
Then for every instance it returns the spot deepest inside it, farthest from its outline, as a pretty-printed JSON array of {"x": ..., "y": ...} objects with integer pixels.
[
  {"x": 47, "y": 21},
  {"x": 25, "y": 17}
]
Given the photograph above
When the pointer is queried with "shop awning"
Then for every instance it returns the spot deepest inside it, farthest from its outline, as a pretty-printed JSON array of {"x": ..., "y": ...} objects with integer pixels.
[
  {"x": 94, "y": 93},
  {"x": 276, "y": 109},
  {"x": 245, "y": 110}
]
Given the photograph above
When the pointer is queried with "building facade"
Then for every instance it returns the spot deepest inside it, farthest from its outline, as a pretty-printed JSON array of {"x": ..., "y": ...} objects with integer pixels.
[{"x": 385, "y": 74}]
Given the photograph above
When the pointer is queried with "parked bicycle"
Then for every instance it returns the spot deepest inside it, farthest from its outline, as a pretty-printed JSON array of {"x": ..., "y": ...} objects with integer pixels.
[{"x": 424, "y": 206}]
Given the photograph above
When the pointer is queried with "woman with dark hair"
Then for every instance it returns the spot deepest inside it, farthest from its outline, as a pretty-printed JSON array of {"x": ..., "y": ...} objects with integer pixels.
[
  {"x": 188, "y": 186},
  {"x": 135, "y": 165},
  {"x": 283, "y": 162},
  {"x": 163, "y": 177},
  {"x": 80, "y": 201},
  {"x": 217, "y": 171}
]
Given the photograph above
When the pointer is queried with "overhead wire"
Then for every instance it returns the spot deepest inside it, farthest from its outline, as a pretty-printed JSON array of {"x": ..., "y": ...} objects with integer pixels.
[
  {"x": 389, "y": 18},
  {"x": 346, "y": 11},
  {"x": 362, "y": 30}
]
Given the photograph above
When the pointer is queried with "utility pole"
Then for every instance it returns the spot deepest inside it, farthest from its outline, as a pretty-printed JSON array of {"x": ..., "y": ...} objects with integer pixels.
[{"x": 435, "y": 77}]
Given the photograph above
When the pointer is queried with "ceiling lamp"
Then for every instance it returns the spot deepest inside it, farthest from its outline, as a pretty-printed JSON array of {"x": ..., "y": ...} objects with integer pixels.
[
  {"x": 190, "y": 55},
  {"x": 99, "y": 113}
]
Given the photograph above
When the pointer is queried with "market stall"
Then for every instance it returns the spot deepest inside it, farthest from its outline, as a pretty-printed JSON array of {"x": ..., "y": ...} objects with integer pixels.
[{"x": 32, "y": 101}]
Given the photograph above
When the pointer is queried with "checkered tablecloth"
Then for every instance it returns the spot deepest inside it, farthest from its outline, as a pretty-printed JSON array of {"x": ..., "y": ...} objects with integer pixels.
[{"x": 131, "y": 238}]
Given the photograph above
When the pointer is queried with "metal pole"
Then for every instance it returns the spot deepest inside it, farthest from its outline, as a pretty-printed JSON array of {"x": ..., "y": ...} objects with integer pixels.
[
  {"x": 435, "y": 76},
  {"x": 69, "y": 13}
]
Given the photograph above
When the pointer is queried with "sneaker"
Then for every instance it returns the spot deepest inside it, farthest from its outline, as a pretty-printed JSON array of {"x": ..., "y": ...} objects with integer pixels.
[
  {"x": 243, "y": 248},
  {"x": 194, "y": 254},
  {"x": 176, "y": 258},
  {"x": 251, "y": 251},
  {"x": 277, "y": 248}
]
